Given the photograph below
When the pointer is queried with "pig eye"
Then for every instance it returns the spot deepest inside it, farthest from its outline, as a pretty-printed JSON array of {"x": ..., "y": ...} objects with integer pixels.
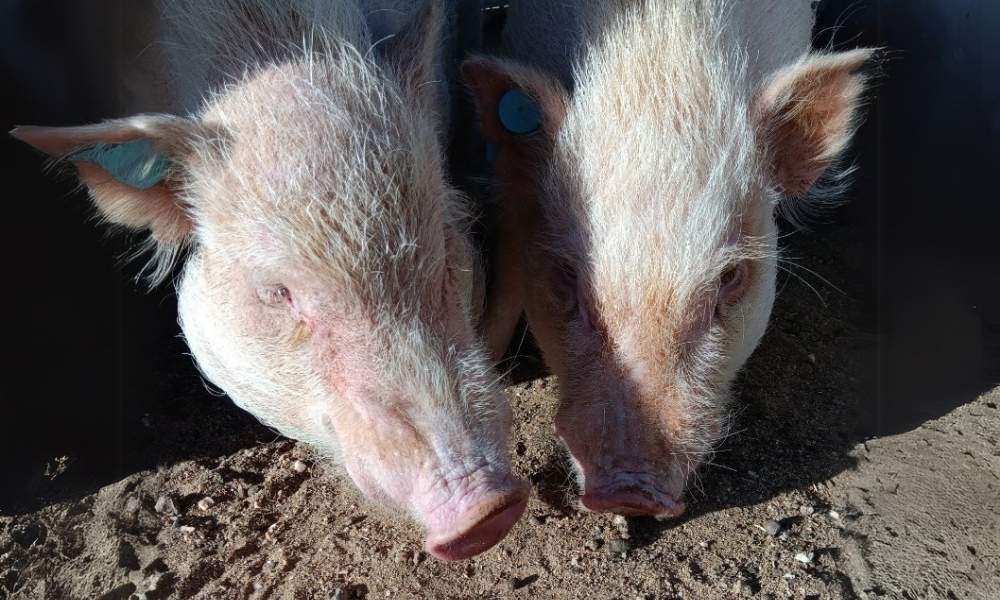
[
  {"x": 733, "y": 282},
  {"x": 275, "y": 295}
]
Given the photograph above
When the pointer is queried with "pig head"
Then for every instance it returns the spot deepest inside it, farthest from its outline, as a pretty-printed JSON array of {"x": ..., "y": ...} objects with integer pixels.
[
  {"x": 649, "y": 194},
  {"x": 327, "y": 281}
]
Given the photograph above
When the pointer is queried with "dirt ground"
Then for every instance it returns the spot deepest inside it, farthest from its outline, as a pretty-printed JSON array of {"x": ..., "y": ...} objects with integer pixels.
[{"x": 912, "y": 515}]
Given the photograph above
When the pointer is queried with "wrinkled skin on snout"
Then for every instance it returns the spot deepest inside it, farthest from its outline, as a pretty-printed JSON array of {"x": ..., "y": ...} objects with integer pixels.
[
  {"x": 328, "y": 286},
  {"x": 649, "y": 196}
]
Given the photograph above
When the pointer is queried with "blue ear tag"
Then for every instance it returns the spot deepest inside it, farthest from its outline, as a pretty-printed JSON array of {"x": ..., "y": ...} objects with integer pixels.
[
  {"x": 136, "y": 164},
  {"x": 519, "y": 112}
]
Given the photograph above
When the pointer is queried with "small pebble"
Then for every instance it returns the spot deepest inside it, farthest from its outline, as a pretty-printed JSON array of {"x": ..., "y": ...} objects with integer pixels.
[
  {"x": 618, "y": 546},
  {"x": 805, "y": 557},
  {"x": 620, "y": 521},
  {"x": 157, "y": 581},
  {"x": 272, "y": 531},
  {"x": 186, "y": 529},
  {"x": 205, "y": 503},
  {"x": 834, "y": 515},
  {"x": 772, "y": 528},
  {"x": 806, "y": 510},
  {"x": 403, "y": 555},
  {"x": 165, "y": 505},
  {"x": 299, "y": 466}
]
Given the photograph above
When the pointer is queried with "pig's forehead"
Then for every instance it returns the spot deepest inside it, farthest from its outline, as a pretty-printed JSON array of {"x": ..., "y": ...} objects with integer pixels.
[
  {"x": 292, "y": 138},
  {"x": 622, "y": 191},
  {"x": 337, "y": 107}
]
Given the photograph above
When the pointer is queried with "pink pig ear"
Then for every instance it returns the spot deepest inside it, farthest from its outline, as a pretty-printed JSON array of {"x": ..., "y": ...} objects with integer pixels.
[
  {"x": 129, "y": 167},
  {"x": 808, "y": 114}
]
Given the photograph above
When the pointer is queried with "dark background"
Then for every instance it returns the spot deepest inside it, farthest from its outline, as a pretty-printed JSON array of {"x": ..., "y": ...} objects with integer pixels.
[{"x": 91, "y": 361}]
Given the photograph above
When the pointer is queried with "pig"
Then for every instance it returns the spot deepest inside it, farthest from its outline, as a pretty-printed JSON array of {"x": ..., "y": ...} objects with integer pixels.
[
  {"x": 327, "y": 282},
  {"x": 643, "y": 149}
]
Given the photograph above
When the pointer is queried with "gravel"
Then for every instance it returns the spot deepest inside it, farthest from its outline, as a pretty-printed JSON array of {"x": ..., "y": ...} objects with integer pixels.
[
  {"x": 165, "y": 505},
  {"x": 618, "y": 546},
  {"x": 772, "y": 528}
]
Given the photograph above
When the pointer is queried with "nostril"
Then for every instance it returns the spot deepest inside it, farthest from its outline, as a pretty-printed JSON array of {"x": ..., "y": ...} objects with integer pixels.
[
  {"x": 480, "y": 529},
  {"x": 633, "y": 501}
]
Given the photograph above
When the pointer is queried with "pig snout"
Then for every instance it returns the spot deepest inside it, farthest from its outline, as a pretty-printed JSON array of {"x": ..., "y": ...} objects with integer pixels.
[
  {"x": 623, "y": 470},
  {"x": 633, "y": 494},
  {"x": 469, "y": 515}
]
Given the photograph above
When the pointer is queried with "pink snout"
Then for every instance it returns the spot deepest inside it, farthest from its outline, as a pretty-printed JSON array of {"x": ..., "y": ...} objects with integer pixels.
[
  {"x": 633, "y": 501},
  {"x": 471, "y": 528},
  {"x": 479, "y": 528}
]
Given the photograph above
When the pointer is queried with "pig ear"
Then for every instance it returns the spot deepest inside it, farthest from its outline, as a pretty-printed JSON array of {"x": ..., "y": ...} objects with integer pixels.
[
  {"x": 416, "y": 49},
  {"x": 808, "y": 113},
  {"x": 514, "y": 100},
  {"x": 128, "y": 165}
]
